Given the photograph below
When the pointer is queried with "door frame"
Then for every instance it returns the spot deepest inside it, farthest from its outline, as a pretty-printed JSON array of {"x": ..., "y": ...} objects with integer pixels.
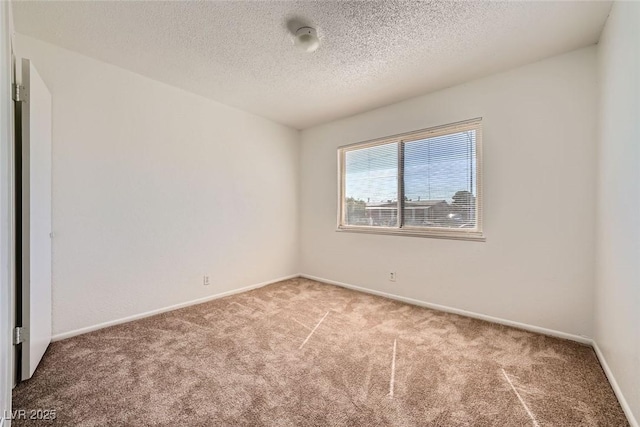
[{"x": 7, "y": 224}]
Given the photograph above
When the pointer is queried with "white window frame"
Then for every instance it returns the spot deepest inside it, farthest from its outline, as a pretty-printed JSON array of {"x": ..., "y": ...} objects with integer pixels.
[{"x": 401, "y": 230}]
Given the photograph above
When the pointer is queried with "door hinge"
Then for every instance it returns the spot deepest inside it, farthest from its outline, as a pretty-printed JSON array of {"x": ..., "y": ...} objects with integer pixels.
[
  {"x": 19, "y": 335},
  {"x": 19, "y": 93}
]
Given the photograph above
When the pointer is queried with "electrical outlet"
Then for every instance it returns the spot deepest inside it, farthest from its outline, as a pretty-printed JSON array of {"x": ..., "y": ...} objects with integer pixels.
[
  {"x": 205, "y": 281},
  {"x": 392, "y": 276}
]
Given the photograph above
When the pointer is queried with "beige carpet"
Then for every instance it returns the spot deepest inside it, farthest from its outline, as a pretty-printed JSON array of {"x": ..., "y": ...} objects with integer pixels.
[{"x": 304, "y": 353}]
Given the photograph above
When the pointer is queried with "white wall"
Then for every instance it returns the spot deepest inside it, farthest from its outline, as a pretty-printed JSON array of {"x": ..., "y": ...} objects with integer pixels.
[
  {"x": 617, "y": 298},
  {"x": 537, "y": 264},
  {"x": 6, "y": 212},
  {"x": 155, "y": 187}
]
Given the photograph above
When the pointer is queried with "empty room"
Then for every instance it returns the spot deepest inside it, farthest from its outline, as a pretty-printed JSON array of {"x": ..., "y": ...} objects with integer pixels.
[{"x": 320, "y": 213}]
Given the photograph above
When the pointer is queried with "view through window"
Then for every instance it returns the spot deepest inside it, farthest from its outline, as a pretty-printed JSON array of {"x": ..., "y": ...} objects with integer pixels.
[{"x": 425, "y": 182}]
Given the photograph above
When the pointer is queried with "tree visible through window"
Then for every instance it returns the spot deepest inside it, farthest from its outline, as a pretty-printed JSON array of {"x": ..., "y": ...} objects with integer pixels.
[{"x": 425, "y": 182}]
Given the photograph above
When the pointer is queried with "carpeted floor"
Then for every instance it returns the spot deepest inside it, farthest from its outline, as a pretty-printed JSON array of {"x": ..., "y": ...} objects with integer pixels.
[{"x": 300, "y": 352}]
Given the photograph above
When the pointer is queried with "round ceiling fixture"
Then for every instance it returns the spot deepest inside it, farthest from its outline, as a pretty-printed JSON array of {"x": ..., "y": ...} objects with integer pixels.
[{"x": 307, "y": 39}]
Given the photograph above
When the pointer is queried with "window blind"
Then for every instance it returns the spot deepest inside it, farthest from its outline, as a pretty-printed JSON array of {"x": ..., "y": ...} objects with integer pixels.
[
  {"x": 439, "y": 181},
  {"x": 426, "y": 182},
  {"x": 371, "y": 186}
]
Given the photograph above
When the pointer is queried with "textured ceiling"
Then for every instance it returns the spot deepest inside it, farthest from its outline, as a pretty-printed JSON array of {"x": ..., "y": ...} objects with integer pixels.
[{"x": 372, "y": 53}]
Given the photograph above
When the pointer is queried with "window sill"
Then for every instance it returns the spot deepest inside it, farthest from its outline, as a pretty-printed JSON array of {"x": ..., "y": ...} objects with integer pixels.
[{"x": 475, "y": 236}]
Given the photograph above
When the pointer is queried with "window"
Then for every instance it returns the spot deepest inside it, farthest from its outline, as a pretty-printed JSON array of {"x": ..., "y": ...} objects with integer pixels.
[{"x": 423, "y": 183}]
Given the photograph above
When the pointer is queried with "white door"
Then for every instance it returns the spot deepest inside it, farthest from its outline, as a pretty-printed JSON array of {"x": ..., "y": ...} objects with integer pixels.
[{"x": 33, "y": 143}]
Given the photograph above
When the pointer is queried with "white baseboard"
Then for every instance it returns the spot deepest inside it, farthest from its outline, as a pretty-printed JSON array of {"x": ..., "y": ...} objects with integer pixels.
[
  {"x": 614, "y": 385},
  {"x": 526, "y": 327},
  {"x": 81, "y": 331}
]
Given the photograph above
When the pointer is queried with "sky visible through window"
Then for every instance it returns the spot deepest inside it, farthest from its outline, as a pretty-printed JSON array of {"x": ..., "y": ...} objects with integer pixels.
[{"x": 434, "y": 169}]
